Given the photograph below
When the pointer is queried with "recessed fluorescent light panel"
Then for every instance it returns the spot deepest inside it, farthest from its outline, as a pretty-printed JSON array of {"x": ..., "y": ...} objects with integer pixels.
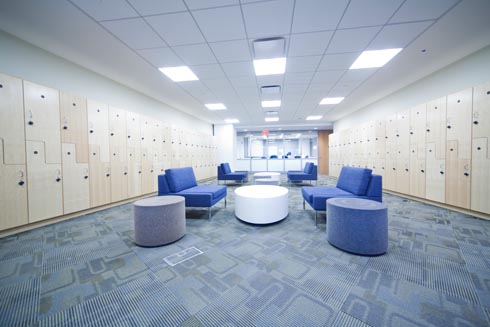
[
  {"x": 374, "y": 58},
  {"x": 179, "y": 74},
  {"x": 270, "y": 89},
  {"x": 270, "y": 119},
  {"x": 269, "y": 48},
  {"x": 272, "y": 66},
  {"x": 231, "y": 121},
  {"x": 331, "y": 100},
  {"x": 215, "y": 106},
  {"x": 314, "y": 117},
  {"x": 271, "y": 104}
]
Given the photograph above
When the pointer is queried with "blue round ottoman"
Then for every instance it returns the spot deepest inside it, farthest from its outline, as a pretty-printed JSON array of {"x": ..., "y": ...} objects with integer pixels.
[{"x": 357, "y": 225}]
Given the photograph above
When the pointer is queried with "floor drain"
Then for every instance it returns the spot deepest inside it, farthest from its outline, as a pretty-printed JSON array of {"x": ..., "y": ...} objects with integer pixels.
[{"x": 182, "y": 256}]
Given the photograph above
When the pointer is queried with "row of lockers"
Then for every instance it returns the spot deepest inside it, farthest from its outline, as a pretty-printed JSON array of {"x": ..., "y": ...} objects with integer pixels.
[
  {"x": 61, "y": 153},
  {"x": 437, "y": 150}
]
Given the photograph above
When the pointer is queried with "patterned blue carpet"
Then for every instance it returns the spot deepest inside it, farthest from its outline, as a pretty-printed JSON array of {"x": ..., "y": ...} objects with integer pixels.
[{"x": 88, "y": 272}]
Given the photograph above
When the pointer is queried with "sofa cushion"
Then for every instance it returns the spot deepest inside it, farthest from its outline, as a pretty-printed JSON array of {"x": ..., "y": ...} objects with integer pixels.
[
  {"x": 179, "y": 179},
  {"x": 354, "y": 180},
  {"x": 215, "y": 190},
  {"x": 226, "y": 168},
  {"x": 327, "y": 192},
  {"x": 308, "y": 168}
]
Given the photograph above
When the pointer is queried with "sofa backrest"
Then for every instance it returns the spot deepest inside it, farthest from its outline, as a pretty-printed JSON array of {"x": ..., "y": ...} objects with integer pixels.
[
  {"x": 226, "y": 168},
  {"x": 375, "y": 187},
  {"x": 354, "y": 180},
  {"x": 179, "y": 179},
  {"x": 163, "y": 185},
  {"x": 308, "y": 168}
]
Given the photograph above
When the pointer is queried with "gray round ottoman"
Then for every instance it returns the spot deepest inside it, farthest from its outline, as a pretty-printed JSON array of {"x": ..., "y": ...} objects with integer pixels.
[
  {"x": 357, "y": 226},
  {"x": 159, "y": 220}
]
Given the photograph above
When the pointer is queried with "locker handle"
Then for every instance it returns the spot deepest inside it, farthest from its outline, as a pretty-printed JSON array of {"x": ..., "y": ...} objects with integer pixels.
[
  {"x": 449, "y": 126},
  {"x": 441, "y": 172},
  {"x": 85, "y": 177},
  {"x": 406, "y": 169},
  {"x": 125, "y": 173},
  {"x": 478, "y": 148},
  {"x": 21, "y": 183},
  {"x": 411, "y": 133},
  {"x": 112, "y": 134},
  {"x": 65, "y": 127},
  {"x": 58, "y": 179},
  {"x": 107, "y": 175},
  {"x": 139, "y": 172},
  {"x": 30, "y": 122},
  {"x": 394, "y": 168},
  {"x": 428, "y": 130},
  {"x": 129, "y": 136},
  {"x": 466, "y": 174},
  {"x": 422, "y": 171},
  {"x": 91, "y": 131},
  {"x": 475, "y": 122}
]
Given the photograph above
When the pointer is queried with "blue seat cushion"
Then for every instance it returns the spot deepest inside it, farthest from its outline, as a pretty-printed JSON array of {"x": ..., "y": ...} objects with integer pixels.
[
  {"x": 203, "y": 195},
  {"x": 215, "y": 190},
  {"x": 317, "y": 196},
  {"x": 354, "y": 180},
  {"x": 179, "y": 179}
]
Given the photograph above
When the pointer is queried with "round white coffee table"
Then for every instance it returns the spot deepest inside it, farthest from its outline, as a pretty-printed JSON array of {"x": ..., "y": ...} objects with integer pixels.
[
  {"x": 261, "y": 204},
  {"x": 267, "y": 178}
]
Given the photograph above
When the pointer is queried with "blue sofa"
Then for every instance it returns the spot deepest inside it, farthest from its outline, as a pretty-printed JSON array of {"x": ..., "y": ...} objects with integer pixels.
[
  {"x": 225, "y": 174},
  {"x": 353, "y": 183},
  {"x": 309, "y": 173},
  {"x": 182, "y": 181}
]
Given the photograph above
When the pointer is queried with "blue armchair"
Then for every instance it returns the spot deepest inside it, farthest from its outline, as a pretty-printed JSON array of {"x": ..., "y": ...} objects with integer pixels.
[
  {"x": 182, "y": 181},
  {"x": 309, "y": 173},
  {"x": 225, "y": 174},
  {"x": 353, "y": 183}
]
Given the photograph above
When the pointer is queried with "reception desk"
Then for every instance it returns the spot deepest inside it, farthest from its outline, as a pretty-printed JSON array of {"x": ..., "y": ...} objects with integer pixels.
[{"x": 280, "y": 165}]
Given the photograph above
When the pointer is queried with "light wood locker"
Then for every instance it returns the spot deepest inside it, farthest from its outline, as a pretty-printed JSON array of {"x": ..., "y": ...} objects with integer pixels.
[
  {"x": 44, "y": 187},
  {"x": 74, "y": 128},
  {"x": 99, "y": 155},
  {"x": 147, "y": 171},
  {"x": 42, "y": 117},
  {"x": 12, "y": 120},
  {"x": 133, "y": 154},
  {"x": 418, "y": 120},
  {"x": 76, "y": 195},
  {"x": 436, "y": 126},
  {"x": 481, "y": 111},
  {"x": 13, "y": 194},
  {"x": 13, "y": 187},
  {"x": 458, "y": 179},
  {"x": 458, "y": 149},
  {"x": 389, "y": 182},
  {"x": 118, "y": 152},
  {"x": 402, "y": 141},
  {"x": 435, "y": 178},
  {"x": 480, "y": 175}
]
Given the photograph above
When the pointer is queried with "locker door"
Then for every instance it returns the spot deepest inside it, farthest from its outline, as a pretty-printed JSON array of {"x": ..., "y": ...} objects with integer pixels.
[
  {"x": 481, "y": 111},
  {"x": 402, "y": 183},
  {"x": 99, "y": 157},
  {"x": 118, "y": 151},
  {"x": 44, "y": 187},
  {"x": 42, "y": 116},
  {"x": 76, "y": 195},
  {"x": 436, "y": 126},
  {"x": 134, "y": 153},
  {"x": 480, "y": 175},
  {"x": 146, "y": 155},
  {"x": 435, "y": 179},
  {"x": 418, "y": 120},
  {"x": 74, "y": 127},
  {"x": 458, "y": 151},
  {"x": 390, "y": 160},
  {"x": 12, "y": 120},
  {"x": 458, "y": 178},
  {"x": 13, "y": 188}
]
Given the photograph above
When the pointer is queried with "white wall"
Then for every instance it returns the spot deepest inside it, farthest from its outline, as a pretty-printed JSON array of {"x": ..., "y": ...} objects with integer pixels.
[
  {"x": 225, "y": 140},
  {"x": 26, "y": 61},
  {"x": 467, "y": 72}
]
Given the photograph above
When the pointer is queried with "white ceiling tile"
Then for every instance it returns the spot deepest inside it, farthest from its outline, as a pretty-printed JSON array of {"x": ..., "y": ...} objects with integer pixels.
[
  {"x": 317, "y": 15},
  {"x": 358, "y": 74},
  {"x": 221, "y": 24},
  {"x": 413, "y": 10},
  {"x": 298, "y": 78},
  {"x": 230, "y": 51},
  {"x": 215, "y": 83},
  {"x": 270, "y": 80},
  {"x": 195, "y": 54},
  {"x": 338, "y": 61},
  {"x": 243, "y": 81},
  {"x": 266, "y": 19},
  {"x": 319, "y": 89},
  {"x": 308, "y": 44},
  {"x": 352, "y": 40},
  {"x": 398, "y": 36},
  {"x": 200, "y": 4},
  {"x": 243, "y": 68},
  {"x": 157, "y": 7},
  {"x": 248, "y": 93},
  {"x": 327, "y": 76},
  {"x": 106, "y": 10},
  {"x": 302, "y": 64},
  {"x": 135, "y": 33},
  {"x": 204, "y": 72},
  {"x": 194, "y": 86},
  {"x": 161, "y": 57},
  {"x": 295, "y": 89},
  {"x": 368, "y": 12},
  {"x": 168, "y": 25}
]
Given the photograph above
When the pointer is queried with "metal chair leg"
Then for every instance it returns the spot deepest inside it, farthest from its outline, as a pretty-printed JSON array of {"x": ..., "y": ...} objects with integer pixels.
[
  {"x": 303, "y": 204},
  {"x": 209, "y": 213},
  {"x": 316, "y": 218},
  {"x": 225, "y": 201}
]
